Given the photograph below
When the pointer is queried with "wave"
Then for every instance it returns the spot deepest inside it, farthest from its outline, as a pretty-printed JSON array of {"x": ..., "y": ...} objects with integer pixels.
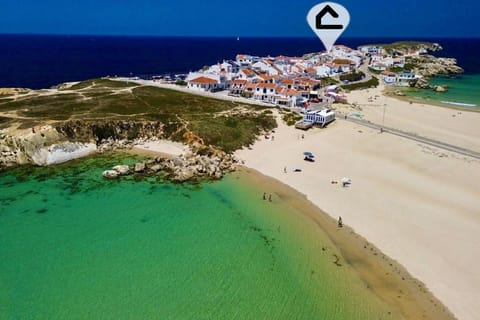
[{"x": 459, "y": 104}]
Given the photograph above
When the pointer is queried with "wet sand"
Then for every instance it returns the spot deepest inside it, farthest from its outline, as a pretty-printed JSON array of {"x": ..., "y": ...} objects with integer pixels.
[{"x": 385, "y": 277}]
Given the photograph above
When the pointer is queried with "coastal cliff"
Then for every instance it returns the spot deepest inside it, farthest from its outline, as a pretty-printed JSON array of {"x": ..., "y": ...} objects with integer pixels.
[{"x": 50, "y": 145}]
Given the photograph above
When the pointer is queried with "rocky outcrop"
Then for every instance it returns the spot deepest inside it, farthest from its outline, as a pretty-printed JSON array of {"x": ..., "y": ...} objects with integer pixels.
[
  {"x": 429, "y": 66},
  {"x": 192, "y": 167},
  {"x": 13, "y": 91},
  {"x": 74, "y": 139},
  {"x": 62, "y": 152},
  {"x": 115, "y": 130},
  {"x": 439, "y": 89},
  {"x": 49, "y": 145},
  {"x": 420, "y": 83}
]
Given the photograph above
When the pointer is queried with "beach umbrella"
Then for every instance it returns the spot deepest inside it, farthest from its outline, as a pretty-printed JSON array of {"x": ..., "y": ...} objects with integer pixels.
[{"x": 308, "y": 154}]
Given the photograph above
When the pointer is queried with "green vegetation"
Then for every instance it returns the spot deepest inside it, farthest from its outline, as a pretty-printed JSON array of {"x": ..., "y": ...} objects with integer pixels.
[
  {"x": 402, "y": 46},
  {"x": 100, "y": 84},
  {"x": 352, "y": 77},
  {"x": 180, "y": 83},
  {"x": 328, "y": 81},
  {"x": 407, "y": 67},
  {"x": 222, "y": 124},
  {"x": 374, "y": 71},
  {"x": 361, "y": 85},
  {"x": 290, "y": 118}
]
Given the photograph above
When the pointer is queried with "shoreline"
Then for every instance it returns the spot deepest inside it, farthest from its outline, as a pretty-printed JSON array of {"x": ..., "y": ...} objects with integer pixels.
[
  {"x": 388, "y": 173},
  {"x": 389, "y": 92},
  {"x": 404, "y": 197},
  {"x": 385, "y": 277}
]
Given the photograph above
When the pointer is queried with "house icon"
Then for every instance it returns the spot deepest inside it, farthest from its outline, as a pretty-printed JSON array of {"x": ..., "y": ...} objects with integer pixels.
[{"x": 321, "y": 14}]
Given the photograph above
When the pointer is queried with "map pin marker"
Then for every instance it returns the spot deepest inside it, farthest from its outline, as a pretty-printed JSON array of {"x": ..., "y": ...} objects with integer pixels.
[{"x": 328, "y": 20}]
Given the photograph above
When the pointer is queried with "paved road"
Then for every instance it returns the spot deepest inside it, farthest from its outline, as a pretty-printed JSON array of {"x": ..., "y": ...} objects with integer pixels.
[{"x": 411, "y": 136}]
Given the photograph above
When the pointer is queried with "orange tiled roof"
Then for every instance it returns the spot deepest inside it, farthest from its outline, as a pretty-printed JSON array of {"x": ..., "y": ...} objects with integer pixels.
[
  {"x": 266, "y": 85},
  {"x": 291, "y": 92},
  {"x": 287, "y": 81},
  {"x": 204, "y": 80},
  {"x": 342, "y": 61},
  {"x": 239, "y": 81},
  {"x": 247, "y": 71}
]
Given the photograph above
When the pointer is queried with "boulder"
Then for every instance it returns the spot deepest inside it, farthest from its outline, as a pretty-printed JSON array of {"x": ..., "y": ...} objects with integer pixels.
[
  {"x": 440, "y": 89},
  {"x": 110, "y": 174},
  {"x": 156, "y": 168},
  {"x": 122, "y": 169},
  {"x": 139, "y": 167}
]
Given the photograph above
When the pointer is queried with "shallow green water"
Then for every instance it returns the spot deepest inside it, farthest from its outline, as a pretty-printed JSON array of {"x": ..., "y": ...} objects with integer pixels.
[
  {"x": 462, "y": 90},
  {"x": 76, "y": 246}
]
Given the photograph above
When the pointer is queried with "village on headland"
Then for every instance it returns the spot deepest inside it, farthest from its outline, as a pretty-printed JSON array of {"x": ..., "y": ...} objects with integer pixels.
[
  {"x": 316, "y": 80},
  {"x": 311, "y": 85}
]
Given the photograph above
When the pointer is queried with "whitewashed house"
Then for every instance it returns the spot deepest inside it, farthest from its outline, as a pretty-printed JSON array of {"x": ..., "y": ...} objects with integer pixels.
[
  {"x": 244, "y": 59},
  {"x": 237, "y": 86},
  {"x": 265, "y": 92},
  {"x": 204, "y": 84},
  {"x": 371, "y": 49},
  {"x": 389, "y": 78},
  {"x": 404, "y": 78}
]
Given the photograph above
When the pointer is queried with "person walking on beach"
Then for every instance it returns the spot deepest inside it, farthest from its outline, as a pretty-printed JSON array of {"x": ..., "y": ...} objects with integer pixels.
[
  {"x": 303, "y": 137},
  {"x": 264, "y": 196},
  {"x": 284, "y": 169},
  {"x": 270, "y": 198},
  {"x": 340, "y": 222}
]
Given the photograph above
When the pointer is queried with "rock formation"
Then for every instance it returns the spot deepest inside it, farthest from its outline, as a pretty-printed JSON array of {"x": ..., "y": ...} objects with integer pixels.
[{"x": 192, "y": 167}]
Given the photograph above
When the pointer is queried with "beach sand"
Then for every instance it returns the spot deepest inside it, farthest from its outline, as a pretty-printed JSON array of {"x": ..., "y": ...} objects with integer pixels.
[
  {"x": 160, "y": 147},
  {"x": 385, "y": 277},
  {"x": 418, "y": 204}
]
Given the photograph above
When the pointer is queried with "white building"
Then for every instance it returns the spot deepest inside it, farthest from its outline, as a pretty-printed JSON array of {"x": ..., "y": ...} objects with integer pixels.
[
  {"x": 203, "y": 84},
  {"x": 371, "y": 49},
  {"x": 403, "y": 78},
  {"x": 389, "y": 78},
  {"x": 265, "y": 92},
  {"x": 320, "y": 117}
]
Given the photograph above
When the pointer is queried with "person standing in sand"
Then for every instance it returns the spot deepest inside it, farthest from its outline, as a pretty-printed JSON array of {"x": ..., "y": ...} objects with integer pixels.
[{"x": 264, "y": 196}]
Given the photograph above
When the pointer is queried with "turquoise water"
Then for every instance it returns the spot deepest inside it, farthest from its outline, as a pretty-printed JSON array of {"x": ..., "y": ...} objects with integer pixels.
[
  {"x": 76, "y": 246},
  {"x": 462, "y": 90}
]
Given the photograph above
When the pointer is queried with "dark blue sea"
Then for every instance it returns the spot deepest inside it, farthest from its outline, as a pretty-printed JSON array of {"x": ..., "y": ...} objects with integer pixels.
[{"x": 42, "y": 61}]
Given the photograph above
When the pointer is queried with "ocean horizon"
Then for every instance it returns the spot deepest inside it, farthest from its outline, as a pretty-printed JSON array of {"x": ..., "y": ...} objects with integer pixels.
[{"x": 43, "y": 61}]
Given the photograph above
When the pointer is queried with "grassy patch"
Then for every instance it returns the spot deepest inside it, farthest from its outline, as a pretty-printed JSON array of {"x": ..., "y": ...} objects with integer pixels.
[
  {"x": 219, "y": 123},
  {"x": 328, "y": 81},
  {"x": 290, "y": 118},
  {"x": 354, "y": 76},
  {"x": 362, "y": 85},
  {"x": 101, "y": 84}
]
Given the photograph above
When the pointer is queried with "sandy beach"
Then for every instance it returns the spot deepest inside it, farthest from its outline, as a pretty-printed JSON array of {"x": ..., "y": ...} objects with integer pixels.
[
  {"x": 418, "y": 204},
  {"x": 160, "y": 147}
]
